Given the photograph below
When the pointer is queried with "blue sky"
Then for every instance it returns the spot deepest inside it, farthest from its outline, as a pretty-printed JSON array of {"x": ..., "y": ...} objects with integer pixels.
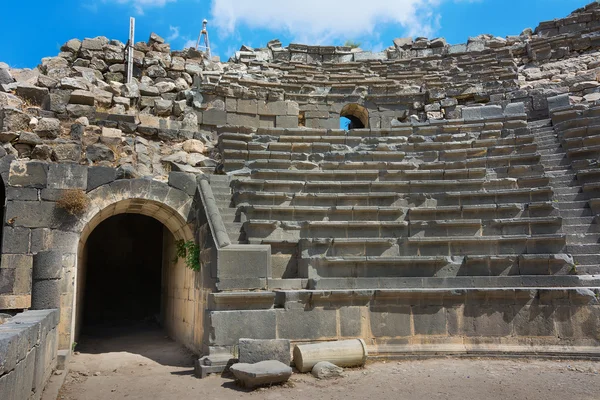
[{"x": 34, "y": 29}]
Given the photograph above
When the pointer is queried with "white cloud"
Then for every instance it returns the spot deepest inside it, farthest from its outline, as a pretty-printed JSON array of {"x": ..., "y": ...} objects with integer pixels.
[
  {"x": 189, "y": 43},
  {"x": 140, "y": 5},
  {"x": 174, "y": 33},
  {"x": 322, "y": 21}
]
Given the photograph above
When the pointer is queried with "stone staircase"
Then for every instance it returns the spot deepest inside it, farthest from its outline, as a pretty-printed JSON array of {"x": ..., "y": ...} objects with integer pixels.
[
  {"x": 579, "y": 220},
  {"x": 450, "y": 206}
]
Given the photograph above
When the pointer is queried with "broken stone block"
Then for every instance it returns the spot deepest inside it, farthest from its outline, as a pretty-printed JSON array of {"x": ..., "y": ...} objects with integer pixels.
[
  {"x": 82, "y": 97},
  {"x": 163, "y": 107},
  {"x": 326, "y": 370},
  {"x": 262, "y": 373},
  {"x": 48, "y": 128},
  {"x": 32, "y": 93},
  {"x": 194, "y": 146},
  {"x": 99, "y": 152},
  {"x": 12, "y": 119}
]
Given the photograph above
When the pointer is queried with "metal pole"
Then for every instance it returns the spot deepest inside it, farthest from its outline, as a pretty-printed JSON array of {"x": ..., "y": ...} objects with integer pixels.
[{"x": 130, "y": 50}]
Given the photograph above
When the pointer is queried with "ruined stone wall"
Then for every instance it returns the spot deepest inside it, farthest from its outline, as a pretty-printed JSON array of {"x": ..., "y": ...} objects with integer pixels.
[{"x": 28, "y": 353}]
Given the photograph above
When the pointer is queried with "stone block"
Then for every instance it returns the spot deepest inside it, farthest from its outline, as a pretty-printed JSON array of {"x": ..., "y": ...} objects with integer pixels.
[
  {"x": 17, "y": 261},
  {"x": 17, "y": 193},
  {"x": 244, "y": 261},
  {"x": 272, "y": 108},
  {"x": 183, "y": 181},
  {"x": 252, "y": 351},
  {"x": 98, "y": 176},
  {"x": 32, "y": 93},
  {"x": 514, "y": 109},
  {"x": 228, "y": 327},
  {"x": 214, "y": 117},
  {"x": 286, "y": 121},
  {"x": 559, "y": 101},
  {"x": 298, "y": 324},
  {"x": 28, "y": 174},
  {"x": 247, "y": 106},
  {"x": 429, "y": 320},
  {"x": 260, "y": 374},
  {"x": 390, "y": 321},
  {"x": 484, "y": 112},
  {"x": 15, "y": 240},
  {"x": 487, "y": 322},
  {"x": 84, "y": 97},
  {"x": 248, "y": 120},
  {"x": 32, "y": 214},
  {"x": 67, "y": 176},
  {"x": 350, "y": 322}
]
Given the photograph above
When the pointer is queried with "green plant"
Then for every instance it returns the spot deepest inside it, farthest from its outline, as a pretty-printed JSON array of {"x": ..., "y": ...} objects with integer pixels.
[
  {"x": 351, "y": 44},
  {"x": 73, "y": 201},
  {"x": 73, "y": 345},
  {"x": 190, "y": 252}
]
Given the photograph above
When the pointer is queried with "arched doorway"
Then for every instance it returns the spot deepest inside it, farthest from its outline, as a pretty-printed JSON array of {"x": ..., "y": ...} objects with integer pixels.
[
  {"x": 354, "y": 116},
  {"x": 133, "y": 227}
]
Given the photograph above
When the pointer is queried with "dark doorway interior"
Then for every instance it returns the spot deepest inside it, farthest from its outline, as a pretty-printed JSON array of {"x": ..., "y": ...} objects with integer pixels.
[
  {"x": 123, "y": 272},
  {"x": 355, "y": 123}
]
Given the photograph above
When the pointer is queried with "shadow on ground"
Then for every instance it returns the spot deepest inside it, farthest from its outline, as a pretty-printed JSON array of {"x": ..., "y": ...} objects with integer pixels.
[{"x": 143, "y": 338}]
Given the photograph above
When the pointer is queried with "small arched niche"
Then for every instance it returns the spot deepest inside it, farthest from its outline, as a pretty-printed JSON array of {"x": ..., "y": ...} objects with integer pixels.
[{"x": 354, "y": 116}]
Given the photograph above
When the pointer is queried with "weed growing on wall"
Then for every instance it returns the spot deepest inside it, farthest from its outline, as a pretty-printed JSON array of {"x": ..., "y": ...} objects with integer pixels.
[
  {"x": 73, "y": 201},
  {"x": 190, "y": 252}
]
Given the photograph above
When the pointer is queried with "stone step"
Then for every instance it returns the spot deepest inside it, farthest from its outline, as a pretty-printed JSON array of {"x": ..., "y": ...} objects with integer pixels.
[
  {"x": 570, "y": 197},
  {"x": 578, "y": 221},
  {"x": 583, "y": 238},
  {"x": 556, "y": 168},
  {"x": 219, "y": 185},
  {"x": 586, "y": 259},
  {"x": 593, "y": 269},
  {"x": 585, "y": 212},
  {"x": 567, "y": 190},
  {"x": 579, "y": 229},
  {"x": 573, "y": 205},
  {"x": 583, "y": 248},
  {"x": 505, "y": 282}
]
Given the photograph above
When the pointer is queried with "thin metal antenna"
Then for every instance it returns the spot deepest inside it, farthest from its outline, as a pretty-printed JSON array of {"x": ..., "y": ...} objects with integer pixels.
[
  {"x": 204, "y": 32},
  {"x": 130, "y": 49}
]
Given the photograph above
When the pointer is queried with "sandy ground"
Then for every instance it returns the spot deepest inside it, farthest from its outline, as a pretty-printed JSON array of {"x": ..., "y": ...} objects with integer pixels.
[{"x": 147, "y": 365}]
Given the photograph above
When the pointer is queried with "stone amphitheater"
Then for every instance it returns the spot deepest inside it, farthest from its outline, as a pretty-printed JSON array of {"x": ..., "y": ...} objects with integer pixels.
[{"x": 456, "y": 215}]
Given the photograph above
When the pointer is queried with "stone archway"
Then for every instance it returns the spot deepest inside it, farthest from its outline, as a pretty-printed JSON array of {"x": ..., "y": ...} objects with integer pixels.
[
  {"x": 357, "y": 115},
  {"x": 173, "y": 209}
]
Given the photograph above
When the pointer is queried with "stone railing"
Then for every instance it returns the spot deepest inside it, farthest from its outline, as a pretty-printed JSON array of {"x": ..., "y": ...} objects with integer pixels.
[{"x": 238, "y": 266}]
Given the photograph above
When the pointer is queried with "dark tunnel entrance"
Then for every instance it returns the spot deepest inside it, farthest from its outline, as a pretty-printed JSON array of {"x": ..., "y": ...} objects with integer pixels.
[{"x": 123, "y": 268}]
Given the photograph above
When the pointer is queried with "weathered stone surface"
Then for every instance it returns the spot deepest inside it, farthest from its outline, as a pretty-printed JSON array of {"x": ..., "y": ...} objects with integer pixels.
[
  {"x": 252, "y": 351},
  {"x": 99, "y": 152},
  {"x": 12, "y": 119},
  {"x": 183, "y": 181},
  {"x": 34, "y": 94},
  {"x": 48, "y": 128},
  {"x": 326, "y": 370},
  {"x": 28, "y": 174},
  {"x": 262, "y": 373},
  {"x": 67, "y": 152},
  {"x": 67, "y": 176}
]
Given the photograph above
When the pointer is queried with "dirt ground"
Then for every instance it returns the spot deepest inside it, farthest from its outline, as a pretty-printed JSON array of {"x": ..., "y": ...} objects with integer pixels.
[{"x": 147, "y": 365}]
